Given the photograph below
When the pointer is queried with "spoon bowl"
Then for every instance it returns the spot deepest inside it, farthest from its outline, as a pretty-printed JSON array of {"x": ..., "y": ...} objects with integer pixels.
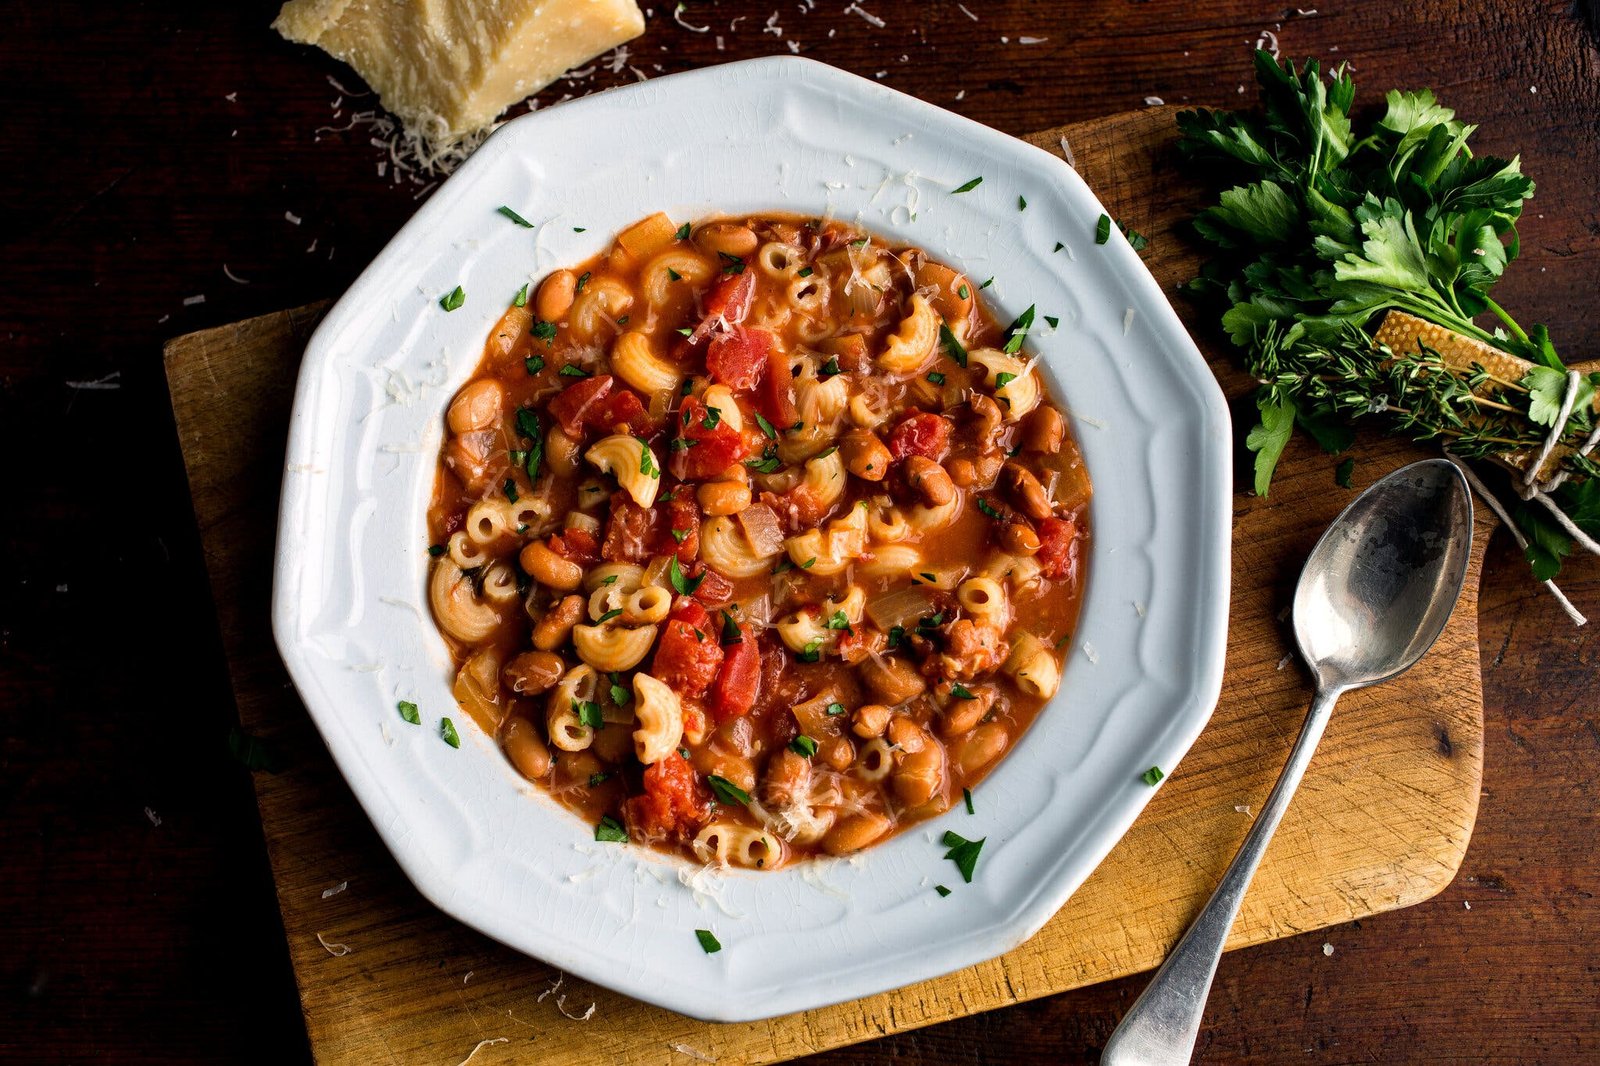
[
  {"x": 1374, "y": 595},
  {"x": 1380, "y": 584}
]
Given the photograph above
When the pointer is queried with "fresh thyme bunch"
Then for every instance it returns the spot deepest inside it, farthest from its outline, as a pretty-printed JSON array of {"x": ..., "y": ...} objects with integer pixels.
[{"x": 1321, "y": 229}]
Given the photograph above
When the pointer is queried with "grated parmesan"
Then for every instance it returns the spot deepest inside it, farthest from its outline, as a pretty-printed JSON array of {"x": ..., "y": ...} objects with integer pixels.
[{"x": 483, "y": 1044}]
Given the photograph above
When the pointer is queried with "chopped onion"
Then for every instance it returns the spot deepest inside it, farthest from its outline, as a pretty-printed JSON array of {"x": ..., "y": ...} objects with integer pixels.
[
  {"x": 901, "y": 607},
  {"x": 761, "y": 527}
]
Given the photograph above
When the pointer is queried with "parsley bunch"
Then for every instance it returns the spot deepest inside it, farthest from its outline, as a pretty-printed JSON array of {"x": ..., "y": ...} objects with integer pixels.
[{"x": 1324, "y": 227}]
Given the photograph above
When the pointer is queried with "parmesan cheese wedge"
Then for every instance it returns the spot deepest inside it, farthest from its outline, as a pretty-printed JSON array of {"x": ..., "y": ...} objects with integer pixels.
[{"x": 447, "y": 69}]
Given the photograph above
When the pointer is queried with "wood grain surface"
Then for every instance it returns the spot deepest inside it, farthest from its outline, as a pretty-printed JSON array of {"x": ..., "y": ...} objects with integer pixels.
[
  {"x": 1382, "y": 820},
  {"x": 153, "y": 144}
]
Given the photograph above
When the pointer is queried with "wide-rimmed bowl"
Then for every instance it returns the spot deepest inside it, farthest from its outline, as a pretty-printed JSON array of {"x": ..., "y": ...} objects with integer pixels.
[{"x": 351, "y": 619}]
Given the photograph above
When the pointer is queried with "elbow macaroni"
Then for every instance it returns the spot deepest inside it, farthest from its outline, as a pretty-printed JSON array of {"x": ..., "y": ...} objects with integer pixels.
[
  {"x": 633, "y": 361},
  {"x": 632, "y": 463},
  {"x": 660, "y": 715}
]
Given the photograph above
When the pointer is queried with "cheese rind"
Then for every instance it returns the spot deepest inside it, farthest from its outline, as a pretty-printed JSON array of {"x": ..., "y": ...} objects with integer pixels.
[{"x": 447, "y": 68}]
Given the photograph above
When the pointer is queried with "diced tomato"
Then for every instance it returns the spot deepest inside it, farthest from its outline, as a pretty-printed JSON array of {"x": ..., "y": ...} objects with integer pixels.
[
  {"x": 727, "y": 305},
  {"x": 707, "y": 452},
  {"x": 578, "y": 545},
  {"x": 740, "y": 679},
  {"x": 630, "y": 531},
  {"x": 674, "y": 802},
  {"x": 1057, "y": 537},
  {"x": 775, "y": 397},
  {"x": 680, "y": 534},
  {"x": 738, "y": 359},
  {"x": 621, "y": 412},
  {"x": 714, "y": 588},
  {"x": 924, "y": 434},
  {"x": 688, "y": 655},
  {"x": 576, "y": 403}
]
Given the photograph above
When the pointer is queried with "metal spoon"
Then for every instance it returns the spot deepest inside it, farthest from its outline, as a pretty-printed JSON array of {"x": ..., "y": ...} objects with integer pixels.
[{"x": 1373, "y": 597}]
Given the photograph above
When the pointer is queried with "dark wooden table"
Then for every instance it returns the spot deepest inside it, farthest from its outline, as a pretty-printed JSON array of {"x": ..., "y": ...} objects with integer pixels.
[{"x": 154, "y": 151}]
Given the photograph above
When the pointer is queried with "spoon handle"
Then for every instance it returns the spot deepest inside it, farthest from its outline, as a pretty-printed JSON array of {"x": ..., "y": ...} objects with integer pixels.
[{"x": 1161, "y": 1027}]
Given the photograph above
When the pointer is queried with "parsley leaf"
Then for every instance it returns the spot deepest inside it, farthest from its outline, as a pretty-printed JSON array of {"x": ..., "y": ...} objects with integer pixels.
[
  {"x": 1018, "y": 330},
  {"x": 453, "y": 299},
  {"x": 447, "y": 732},
  {"x": 964, "y": 853},
  {"x": 952, "y": 347},
  {"x": 708, "y": 943},
  {"x": 513, "y": 216},
  {"x": 1152, "y": 776},
  {"x": 683, "y": 232},
  {"x": 1102, "y": 229},
  {"x": 726, "y": 791},
  {"x": 968, "y": 187},
  {"x": 409, "y": 712},
  {"x": 803, "y": 746},
  {"x": 683, "y": 586},
  {"x": 521, "y": 298},
  {"x": 610, "y": 831}
]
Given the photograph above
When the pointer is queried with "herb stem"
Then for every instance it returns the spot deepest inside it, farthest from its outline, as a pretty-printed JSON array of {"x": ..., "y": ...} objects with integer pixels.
[{"x": 1511, "y": 323}]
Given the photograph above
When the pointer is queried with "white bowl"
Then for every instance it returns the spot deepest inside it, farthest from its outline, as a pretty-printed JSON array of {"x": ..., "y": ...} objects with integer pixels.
[{"x": 790, "y": 135}]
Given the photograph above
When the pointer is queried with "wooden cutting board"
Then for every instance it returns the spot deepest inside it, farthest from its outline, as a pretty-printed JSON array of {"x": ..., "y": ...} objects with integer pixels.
[{"x": 1381, "y": 822}]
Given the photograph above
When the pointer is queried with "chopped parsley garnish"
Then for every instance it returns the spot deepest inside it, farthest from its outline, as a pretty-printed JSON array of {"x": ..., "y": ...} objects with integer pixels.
[
  {"x": 579, "y": 229},
  {"x": 533, "y": 364},
  {"x": 966, "y": 794},
  {"x": 683, "y": 232},
  {"x": 588, "y": 713},
  {"x": 708, "y": 943},
  {"x": 545, "y": 331},
  {"x": 941, "y": 890},
  {"x": 989, "y": 509},
  {"x": 683, "y": 586},
  {"x": 769, "y": 463},
  {"x": 673, "y": 275},
  {"x": 447, "y": 730},
  {"x": 1018, "y": 330},
  {"x": 615, "y": 612},
  {"x": 961, "y": 692},
  {"x": 1138, "y": 241},
  {"x": 726, "y": 791},
  {"x": 964, "y": 853},
  {"x": 619, "y": 693},
  {"x": 952, "y": 347},
  {"x": 685, "y": 331},
  {"x": 510, "y": 489},
  {"x": 598, "y": 779},
  {"x": 766, "y": 427},
  {"x": 513, "y": 216},
  {"x": 830, "y": 368},
  {"x": 521, "y": 298},
  {"x": 610, "y": 831},
  {"x": 1053, "y": 320},
  {"x": 897, "y": 634},
  {"x": 812, "y": 652},
  {"x": 803, "y": 746},
  {"x": 964, "y": 292},
  {"x": 1102, "y": 229},
  {"x": 713, "y": 416},
  {"x": 803, "y": 272},
  {"x": 809, "y": 563},
  {"x": 1152, "y": 776},
  {"x": 1004, "y": 378},
  {"x": 623, "y": 321},
  {"x": 1022, "y": 203},
  {"x": 679, "y": 535},
  {"x": 647, "y": 460},
  {"x": 1058, "y": 247},
  {"x": 681, "y": 444},
  {"x": 839, "y": 621},
  {"x": 730, "y": 631},
  {"x": 968, "y": 187},
  {"x": 583, "y": 279},
  {"x": 528, "y": 425},
  {"x": 409, "y": 712},
  {"x": 936, "y": 378},
  {"x": 436, "y": 550},
  {"x": 932, "y": 579},
  {"x": 731, "y": 264},
  {"x": 453, "y": 299},
  {"x": 573, "y": 370},
  {"x": 930, "y": 623},
  {"x": 609, "y": 579}
]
